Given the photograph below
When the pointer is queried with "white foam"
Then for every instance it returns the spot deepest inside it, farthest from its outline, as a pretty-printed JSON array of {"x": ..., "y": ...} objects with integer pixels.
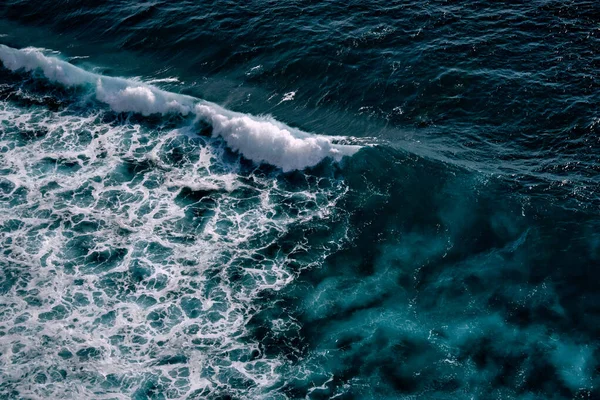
[
  {"x": 164, "y": 80},
  {"x": 287, "y": 97},
  {"x": 260, "y": 139},
  {"x": 197, "y": 260}
]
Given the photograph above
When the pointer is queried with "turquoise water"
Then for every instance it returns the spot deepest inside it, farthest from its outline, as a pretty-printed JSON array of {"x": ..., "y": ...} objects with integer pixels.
[{"x": 291, "y": 199}]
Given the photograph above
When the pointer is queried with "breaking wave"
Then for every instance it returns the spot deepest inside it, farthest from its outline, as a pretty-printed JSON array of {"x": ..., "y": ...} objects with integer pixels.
[{"x": 260, "y": 139}]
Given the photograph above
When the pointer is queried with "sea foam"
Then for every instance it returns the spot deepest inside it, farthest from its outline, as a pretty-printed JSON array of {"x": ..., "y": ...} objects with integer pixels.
[
  {"x": 260, "y": 139},
  {"x": 148, "y": 251}
]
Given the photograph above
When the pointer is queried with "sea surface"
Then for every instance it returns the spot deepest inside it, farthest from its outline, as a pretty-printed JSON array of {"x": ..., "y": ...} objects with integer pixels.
[{"x": 299, "y": 199}]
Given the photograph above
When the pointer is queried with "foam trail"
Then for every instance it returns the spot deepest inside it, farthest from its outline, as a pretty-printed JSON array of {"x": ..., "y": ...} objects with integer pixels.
[{"x": 260, "y": 139}]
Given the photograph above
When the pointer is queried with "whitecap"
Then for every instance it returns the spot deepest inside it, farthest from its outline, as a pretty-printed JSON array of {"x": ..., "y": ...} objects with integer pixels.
[{"x": 260, "y": 139}]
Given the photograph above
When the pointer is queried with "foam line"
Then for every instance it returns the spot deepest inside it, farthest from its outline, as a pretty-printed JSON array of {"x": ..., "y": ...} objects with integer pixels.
[{"x": 260, "y": 139}]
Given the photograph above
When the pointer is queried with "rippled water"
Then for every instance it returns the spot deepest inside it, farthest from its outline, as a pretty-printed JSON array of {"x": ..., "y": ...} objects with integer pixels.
[{"x": 299, "y": 200}]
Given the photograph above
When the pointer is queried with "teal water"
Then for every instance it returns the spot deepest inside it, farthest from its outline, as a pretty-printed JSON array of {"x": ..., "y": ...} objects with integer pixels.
[{"x": 291, "y": 199}]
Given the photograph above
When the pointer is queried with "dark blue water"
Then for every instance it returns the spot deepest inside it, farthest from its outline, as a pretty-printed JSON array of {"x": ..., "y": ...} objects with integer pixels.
[{"x": 298, "y": 199}]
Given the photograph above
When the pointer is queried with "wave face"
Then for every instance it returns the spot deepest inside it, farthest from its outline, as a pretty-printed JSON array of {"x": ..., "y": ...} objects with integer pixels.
[{"x": 156, "y": 245}]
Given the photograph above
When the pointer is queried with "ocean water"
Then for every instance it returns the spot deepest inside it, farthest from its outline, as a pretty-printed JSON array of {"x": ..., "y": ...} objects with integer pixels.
[{"x": 299, "y": 199}]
